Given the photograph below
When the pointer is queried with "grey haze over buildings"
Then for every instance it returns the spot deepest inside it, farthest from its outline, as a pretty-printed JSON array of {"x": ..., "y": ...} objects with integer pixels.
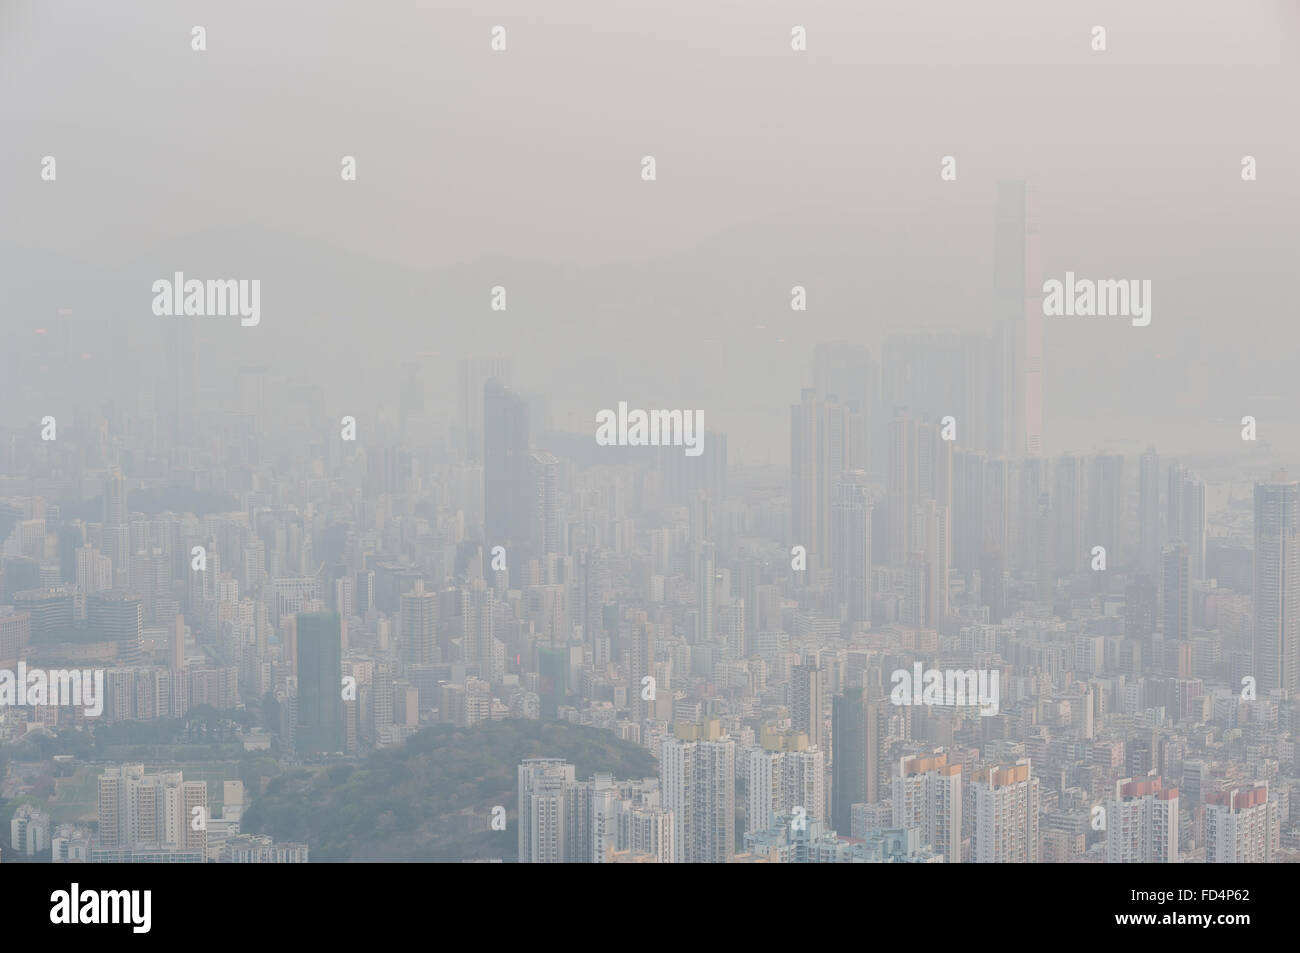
[{"x": 478, "y": 169}]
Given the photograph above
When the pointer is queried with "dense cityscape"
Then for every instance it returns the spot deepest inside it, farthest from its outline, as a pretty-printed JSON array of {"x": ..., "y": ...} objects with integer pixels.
[
  {"x": 924, "y": 643},
  {"x": 785, "y": 433}
]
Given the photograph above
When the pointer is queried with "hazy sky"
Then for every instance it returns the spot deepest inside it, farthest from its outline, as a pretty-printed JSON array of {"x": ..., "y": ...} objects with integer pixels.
[{"x": 775, "y": 168}]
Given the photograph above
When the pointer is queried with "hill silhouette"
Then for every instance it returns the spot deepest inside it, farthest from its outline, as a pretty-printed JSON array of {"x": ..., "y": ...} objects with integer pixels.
[{"x": 431, "y": 799}]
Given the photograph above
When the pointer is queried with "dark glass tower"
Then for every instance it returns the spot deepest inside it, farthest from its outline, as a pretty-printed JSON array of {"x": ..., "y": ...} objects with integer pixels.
[{"x": 320, "y": 683}]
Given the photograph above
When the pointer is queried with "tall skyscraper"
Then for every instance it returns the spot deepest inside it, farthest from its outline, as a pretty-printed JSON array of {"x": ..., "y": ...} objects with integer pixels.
[
  {"x": 118, "y": 616},
  {"x": 928, "y": 795},
  {"x": 998, "y": 518},
  {"x": 1240, "y": 825},
  {"x": 474, "y": 375},
  {"x": 706, "y": 589},
  {"x": 855, "y": 729},
  {"x": 1142, "y": 823},
  {"x": 937, "y": 554},
  {"x": 851, "y": 553},
  {"x": 901, "y": 486},
  {"x": 968, "y": 510},
  {"x": 1148, "y": 551},
  {"x": 784, "y": 775},
  {"x": 1067, "y": 511},
  {"x": 809, "y": 480},
  {"x": 1177, "y": 591},
  {"x": 320, "y": 681},
  {"x": 544, "y": 469},
  {"x": 1106, "y": 508},
  {"x": 1186, "y": 516},
  {"x": 420, "y": 626},
  {"x": 1277, "y": 586},
  {"x": 117, "y": 531},
  {"x": 544, "y": 815},
  {"x": 508, "y": 486},
  {"x": 1003, "y": 806},
  {"x": 1032, "y": 487},
  {"x": 697, "y": 770},
  {"x": 807, "y": 700},
  {"x": 847, "y": 373}
]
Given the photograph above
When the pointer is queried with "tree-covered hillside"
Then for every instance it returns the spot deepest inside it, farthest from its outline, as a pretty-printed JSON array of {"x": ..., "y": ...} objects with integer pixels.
[{"x": 431, "y": 799}]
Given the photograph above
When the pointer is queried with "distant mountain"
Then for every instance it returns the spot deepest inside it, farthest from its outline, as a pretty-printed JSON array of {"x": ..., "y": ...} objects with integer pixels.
[{"x": 431, "y": 799}]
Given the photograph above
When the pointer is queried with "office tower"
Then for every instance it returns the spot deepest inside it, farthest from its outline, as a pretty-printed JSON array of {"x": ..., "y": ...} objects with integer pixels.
[
  {"x": 381, "y": 700},
  {"x": 937, "y": 557},
  {"x": 1016, "y": 413},
  {"x": 807, "y": 702},
  {"x": 915, "y": 607},
  {"x": 731, "y": 620},
  {"x": 72, "y": 537},
  {"x": 843, "y": 447},
  {"x": 473, "y": 376},
  {"x": 1177, "y": 589},
  {"x": 1106, "y": 508},
  {"x": 1003, "y": 805},
  {"x": 928, "y": 794},
  {"x": 552, "y": 680},
  {"x": 928, "y": 445},
  {"x": 420, "y": 626},
  {"x": 1067, "y": 513},
  {"x": 697, "y": 770},
  {"x": 846, "y": 373},
  {"x": 855, "y": 750},
  {"x": 1031, "y": 490},
  {"x": 292, "y": 595},
  {"x": 1148, "y": 552},
  {"x": 176, "y": 645},
  {"x": 901, "y": 486},
  {"x": 968, "y": 469},
  {"x": 117, "y": 616},
  {"x": 1186, "y": 515},
  {"x": 478, "y": 621},
  {"x": 851, "y": 553},
  {"x": 117, "y": 531},
  {"x": 809, "y": 480},
  {"x": 782, "y": 780},
  {"x": 544, "y": 793},
  {"x": 15, "y": 636},
  {"x": 993, "y": 589},
  {"x": 997, "y": 507},
  {"x": 1192, "y": 530},
  {"x": 344, "y": 603},
  {"x": 320, "y": 680},
  {"x": 546, "y": 531},
  {"x": 150, "y": 579},
  {"x": 1140, "y": 607},
  {"x": 1142, "y": 823},
  {"x": 1240, "y": 825},
  {"x": 640, "y": 657},
  {"x": 1277, "y": 586},
  {"x": 705, "y": 587},
  {"x": 363, "y": 592},
  {"x": 94, "y": 572},
  {"x": 50, "y": 612},
  {"x": 508, "y": 489}
]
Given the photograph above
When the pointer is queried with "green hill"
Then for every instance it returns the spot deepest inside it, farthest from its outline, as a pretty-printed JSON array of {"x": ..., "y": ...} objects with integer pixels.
[{"x": 432, "y": 798}]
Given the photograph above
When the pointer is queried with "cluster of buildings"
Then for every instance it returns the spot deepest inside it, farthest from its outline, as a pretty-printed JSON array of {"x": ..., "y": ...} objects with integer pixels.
[{"x": 744, "y": 624}]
